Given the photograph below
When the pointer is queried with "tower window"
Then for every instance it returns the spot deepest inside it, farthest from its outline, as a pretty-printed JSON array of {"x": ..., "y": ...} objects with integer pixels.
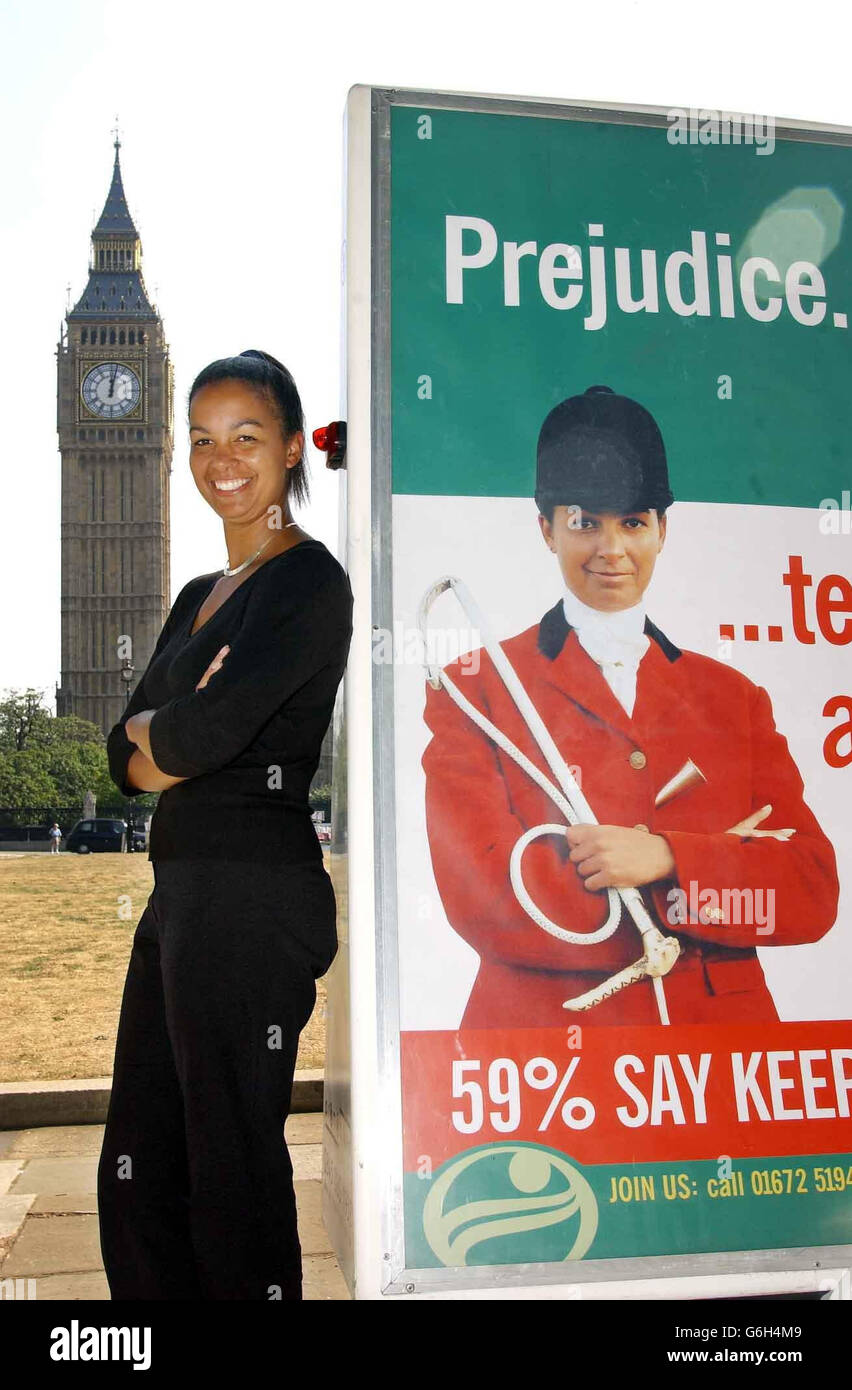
[
  {"x": 140, "y": 434},
  {"x": 121, "y": 334},
  {"x": 103, "y": 335},
  {"x": 112, "y": 337},
  {"x": 131, "y": 337},
  {"x": 84, "y": 337}
]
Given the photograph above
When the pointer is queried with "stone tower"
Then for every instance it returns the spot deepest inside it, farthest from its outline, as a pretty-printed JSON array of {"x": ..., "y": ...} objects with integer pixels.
[{"x": 115, "y": 422}]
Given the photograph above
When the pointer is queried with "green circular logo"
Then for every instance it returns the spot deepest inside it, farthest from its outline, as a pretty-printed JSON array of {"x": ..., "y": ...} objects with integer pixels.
[{"x": 510, "y": 1204}]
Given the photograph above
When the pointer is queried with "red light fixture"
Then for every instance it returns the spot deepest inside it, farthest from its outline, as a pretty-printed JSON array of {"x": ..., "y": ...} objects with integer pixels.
[{"x": 331, "y": 441}]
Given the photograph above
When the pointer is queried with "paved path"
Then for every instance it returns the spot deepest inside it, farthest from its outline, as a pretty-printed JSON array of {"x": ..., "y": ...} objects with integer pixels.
[{"x": 49, "y": 1221}]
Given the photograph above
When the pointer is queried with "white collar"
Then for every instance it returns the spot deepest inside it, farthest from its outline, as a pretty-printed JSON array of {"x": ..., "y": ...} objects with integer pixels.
[{"x": 628, "y": 625}]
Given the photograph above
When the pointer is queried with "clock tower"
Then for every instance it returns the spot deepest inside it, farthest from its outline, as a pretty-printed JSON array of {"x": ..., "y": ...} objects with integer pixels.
[{"x": 115, "y": 423}]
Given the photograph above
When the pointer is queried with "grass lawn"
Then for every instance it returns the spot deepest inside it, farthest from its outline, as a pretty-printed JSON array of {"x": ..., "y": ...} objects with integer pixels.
[{"x": 66, "y": 926}]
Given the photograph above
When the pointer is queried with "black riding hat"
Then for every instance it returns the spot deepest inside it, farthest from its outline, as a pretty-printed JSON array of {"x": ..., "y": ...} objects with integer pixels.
[{"x": 604, "y": 453}]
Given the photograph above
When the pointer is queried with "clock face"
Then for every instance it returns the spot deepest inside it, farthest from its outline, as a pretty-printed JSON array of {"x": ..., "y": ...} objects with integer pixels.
[{"x": 111, "y": 390}]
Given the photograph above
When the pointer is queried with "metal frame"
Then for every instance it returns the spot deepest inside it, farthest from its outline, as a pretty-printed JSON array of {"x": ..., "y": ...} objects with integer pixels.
[{"x": 377, "y": 1108}]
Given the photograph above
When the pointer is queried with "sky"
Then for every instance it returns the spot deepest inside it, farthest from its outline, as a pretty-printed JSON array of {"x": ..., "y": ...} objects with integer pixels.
[{"x": 231, "y": 121}]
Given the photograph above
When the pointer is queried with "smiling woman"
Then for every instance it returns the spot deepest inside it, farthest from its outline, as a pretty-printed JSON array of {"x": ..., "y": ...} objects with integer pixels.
[{"x": 227, "y": 723}]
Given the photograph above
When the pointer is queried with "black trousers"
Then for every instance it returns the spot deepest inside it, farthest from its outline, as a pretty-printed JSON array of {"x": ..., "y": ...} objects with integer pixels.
[{"x": 195, "y": 1184}]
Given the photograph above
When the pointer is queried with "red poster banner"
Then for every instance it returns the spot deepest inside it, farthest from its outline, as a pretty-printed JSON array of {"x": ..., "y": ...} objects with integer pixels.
[{"x": 630, "y": 1094}]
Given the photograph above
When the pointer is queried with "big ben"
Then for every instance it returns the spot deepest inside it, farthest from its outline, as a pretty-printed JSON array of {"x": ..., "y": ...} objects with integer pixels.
[{"x": 115, "y": 423}]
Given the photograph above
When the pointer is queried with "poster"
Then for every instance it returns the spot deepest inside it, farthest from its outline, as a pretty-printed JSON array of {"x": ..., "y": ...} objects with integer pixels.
[{"x": 539, "y": 257}]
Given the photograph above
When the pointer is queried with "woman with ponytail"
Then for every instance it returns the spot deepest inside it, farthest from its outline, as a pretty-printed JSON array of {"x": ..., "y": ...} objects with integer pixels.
[{"x": 195, "y": 1184}]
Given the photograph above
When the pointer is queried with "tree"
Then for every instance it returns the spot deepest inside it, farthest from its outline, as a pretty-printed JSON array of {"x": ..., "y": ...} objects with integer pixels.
[{"x": 48, "y": 761}]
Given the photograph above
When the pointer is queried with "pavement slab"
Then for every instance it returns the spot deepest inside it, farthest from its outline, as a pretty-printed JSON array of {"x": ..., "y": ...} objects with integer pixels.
[
  {"x": 313, "y": 1236},
  {"x": 48, "y": 1210},
  {"x": 88, "y": 1286},
  {"x": 303, "y": 1129},
  {"x": 322, "y": 1279},
  {"x": 57, "y": 1175},
  {"x": 55, "y": 1141},
  {"x": 13, "y": 1215},
  {"x": 65, "y": 1204},
  {"x": 9, "y": 1170},
  {"x": 54, "y": 1245}
]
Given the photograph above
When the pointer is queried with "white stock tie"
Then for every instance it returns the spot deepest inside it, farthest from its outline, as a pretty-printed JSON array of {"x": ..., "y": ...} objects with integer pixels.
[{"x": 616, "y": 642}]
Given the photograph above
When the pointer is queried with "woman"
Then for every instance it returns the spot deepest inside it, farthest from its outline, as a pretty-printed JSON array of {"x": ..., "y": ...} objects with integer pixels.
[
  {"x": 729, "y": 859},
  {"x": 195, "y": 1189}
]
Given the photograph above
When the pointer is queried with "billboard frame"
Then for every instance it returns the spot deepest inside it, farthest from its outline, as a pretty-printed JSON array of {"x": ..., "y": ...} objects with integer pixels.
[{"x": 372, "y": 1252}]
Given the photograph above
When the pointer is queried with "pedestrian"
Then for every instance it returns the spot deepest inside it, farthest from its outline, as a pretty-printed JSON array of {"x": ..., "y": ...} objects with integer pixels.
[
  {"x": 55, "y": 837},
  {"x": 699, "y": 801},
  {"x": 195, "y": 1184}
]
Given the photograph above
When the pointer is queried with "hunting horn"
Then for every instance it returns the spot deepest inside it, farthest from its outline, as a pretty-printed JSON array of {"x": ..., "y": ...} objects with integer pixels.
[{"x": 687, "y": 776}]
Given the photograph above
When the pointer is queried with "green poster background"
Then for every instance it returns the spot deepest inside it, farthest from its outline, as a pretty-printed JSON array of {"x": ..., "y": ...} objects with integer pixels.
[
  {"x": 783, "y": 437},
  {"x": 804, "y": 1200}
]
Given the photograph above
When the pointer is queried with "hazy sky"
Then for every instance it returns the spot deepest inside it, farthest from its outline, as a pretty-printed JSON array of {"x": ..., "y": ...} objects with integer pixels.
[{"x": 231, "y": 126}]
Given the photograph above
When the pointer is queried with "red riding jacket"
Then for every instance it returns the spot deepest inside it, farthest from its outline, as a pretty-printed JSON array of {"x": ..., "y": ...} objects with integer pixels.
[{"x": 478, "y": 802}]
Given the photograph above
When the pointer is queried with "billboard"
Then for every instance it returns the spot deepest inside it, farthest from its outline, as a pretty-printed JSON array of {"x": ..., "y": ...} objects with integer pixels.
[{"x": 610, "y": 599}]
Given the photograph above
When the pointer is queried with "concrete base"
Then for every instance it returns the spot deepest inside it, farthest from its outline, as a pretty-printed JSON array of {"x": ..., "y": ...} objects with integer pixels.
[{"x": 29, "y": 1104}]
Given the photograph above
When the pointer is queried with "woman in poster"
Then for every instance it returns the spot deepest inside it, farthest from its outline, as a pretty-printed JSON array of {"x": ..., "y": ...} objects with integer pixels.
[{"x": 728, "y": 858}]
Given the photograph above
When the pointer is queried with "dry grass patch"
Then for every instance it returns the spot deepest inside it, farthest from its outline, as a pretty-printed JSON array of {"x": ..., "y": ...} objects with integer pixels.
[{"x": 66, "y": 926}]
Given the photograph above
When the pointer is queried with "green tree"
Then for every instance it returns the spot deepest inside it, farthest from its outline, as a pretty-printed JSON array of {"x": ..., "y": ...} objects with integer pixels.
[
  {"x": 53, "y": 761},
  {"x": 24, "y": 779}
]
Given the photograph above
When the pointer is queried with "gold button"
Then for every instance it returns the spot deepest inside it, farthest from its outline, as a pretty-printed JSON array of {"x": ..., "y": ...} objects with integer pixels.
[
  {"x": 640, "y": 826},
  {"x": 637, "y": 758}
]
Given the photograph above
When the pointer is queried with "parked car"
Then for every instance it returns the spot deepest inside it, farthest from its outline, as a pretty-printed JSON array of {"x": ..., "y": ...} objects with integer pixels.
[
  {"x": 323, "y": 832},
  {"x": 99, "y": 835}
]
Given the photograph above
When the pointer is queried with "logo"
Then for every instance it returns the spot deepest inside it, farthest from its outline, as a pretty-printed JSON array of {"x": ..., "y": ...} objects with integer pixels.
[{"x": 509, "y": 1204}]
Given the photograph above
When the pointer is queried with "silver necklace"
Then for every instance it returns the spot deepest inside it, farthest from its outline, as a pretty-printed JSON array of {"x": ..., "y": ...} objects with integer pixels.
[{"x": 251, "y": 559}]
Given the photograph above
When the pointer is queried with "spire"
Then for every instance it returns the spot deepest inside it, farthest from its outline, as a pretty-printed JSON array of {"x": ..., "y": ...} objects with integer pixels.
[
  {"x": 116, "y": 287},
  {"x": 116, "y": 214}
]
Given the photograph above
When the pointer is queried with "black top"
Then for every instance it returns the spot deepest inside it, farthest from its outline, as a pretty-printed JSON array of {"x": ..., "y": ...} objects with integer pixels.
[{"x": 249, "y": 742}]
